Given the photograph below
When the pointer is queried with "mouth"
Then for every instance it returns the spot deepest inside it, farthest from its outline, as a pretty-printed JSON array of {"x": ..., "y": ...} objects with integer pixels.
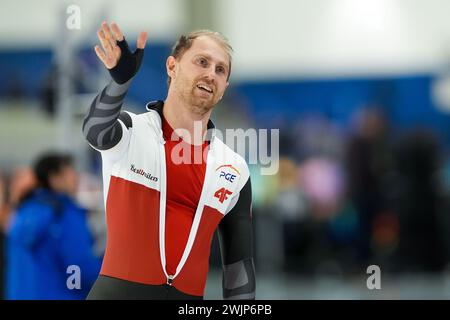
[{"x": 205, "y": 88}]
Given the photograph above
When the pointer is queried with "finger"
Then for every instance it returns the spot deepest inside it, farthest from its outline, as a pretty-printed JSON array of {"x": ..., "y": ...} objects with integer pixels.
[
  {"x": 105, "y": 43},
  {"x": 142, "y": 39},
  {"x": 106, "y": 30},
  {"x": 100, "y": 54},
  {"x": 117, "y": 33},
  {"x": 108, "y": 34},
  {"x": 101, "y": 37},
  {"x": 117, "y": 52},
  {"x": 108, "y": 60}
]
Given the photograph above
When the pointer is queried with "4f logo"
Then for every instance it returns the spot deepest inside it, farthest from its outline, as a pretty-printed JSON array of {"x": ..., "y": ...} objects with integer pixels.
[{"x": 222, "y": 194}]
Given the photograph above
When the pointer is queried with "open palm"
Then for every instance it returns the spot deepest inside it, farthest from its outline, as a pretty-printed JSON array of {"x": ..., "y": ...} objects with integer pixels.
[{"x": 108, "y": 36}]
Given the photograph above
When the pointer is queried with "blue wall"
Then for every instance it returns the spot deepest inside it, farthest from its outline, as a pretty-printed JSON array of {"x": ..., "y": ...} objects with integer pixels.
[{"x": 406, "y": 100}]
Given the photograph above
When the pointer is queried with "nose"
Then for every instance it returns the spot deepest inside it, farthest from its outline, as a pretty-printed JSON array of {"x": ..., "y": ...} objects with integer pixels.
[{"x": 211, "y": 74}]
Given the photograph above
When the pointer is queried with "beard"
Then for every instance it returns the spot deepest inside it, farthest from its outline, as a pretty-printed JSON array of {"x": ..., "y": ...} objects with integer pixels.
[
  {"x": 199, "y": 104},
  {"x": 197, "y": 101}
]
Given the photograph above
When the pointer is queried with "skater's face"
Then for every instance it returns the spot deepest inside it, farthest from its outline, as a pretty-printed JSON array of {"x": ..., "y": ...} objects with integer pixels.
[{"x": 200, "y": 75}]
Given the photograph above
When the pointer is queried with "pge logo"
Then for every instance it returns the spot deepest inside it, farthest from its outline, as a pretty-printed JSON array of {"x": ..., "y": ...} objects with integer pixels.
[{"x": 227, "y": 175}]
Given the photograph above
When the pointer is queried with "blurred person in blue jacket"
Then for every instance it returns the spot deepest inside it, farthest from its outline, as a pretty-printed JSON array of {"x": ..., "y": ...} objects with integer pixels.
[{"x": 48, "y": 235}]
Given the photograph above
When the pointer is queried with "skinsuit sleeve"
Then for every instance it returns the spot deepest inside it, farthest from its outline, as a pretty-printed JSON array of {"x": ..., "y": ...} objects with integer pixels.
[
  {"x": 106, "y": 126},
  {"x": 235, "y": 234}
]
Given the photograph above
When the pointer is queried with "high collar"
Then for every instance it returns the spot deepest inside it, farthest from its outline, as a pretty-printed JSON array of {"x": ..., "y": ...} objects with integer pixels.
[{"x": 158, "y": 106}]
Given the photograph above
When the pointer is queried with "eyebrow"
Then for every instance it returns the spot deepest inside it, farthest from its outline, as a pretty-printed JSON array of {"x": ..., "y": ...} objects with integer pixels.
[{"x": 207, "y": 56}]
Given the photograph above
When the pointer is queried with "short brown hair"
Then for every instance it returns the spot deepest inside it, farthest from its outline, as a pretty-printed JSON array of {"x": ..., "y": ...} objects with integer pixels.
[{"x": 185, "y": 42}]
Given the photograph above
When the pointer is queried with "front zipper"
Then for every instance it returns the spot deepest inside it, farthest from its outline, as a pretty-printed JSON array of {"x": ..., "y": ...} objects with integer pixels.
[
  {"x": 162, "y": 212},
  {"x": 162, "y": 206}
]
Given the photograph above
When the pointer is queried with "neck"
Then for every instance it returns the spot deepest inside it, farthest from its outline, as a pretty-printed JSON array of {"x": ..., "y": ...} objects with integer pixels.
[{"x": 191, "y": 125}]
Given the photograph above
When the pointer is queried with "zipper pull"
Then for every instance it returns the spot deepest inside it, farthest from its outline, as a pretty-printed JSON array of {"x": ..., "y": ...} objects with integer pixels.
[{"x": 170, "y": 280}]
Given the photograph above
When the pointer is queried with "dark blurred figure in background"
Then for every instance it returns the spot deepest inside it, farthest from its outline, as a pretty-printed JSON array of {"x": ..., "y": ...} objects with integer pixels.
[
  {"x": 48, "y": 233},
  {"x": 12, "y": 188},
  {"x": 418, "y": 203},
  {"x": 369, "y": 160},
  {"x": 15, "y": 90},
  {"x": 3, "y": 214},
  {"x": 78, "y": 77},
  {"x": 291, "y": 209},
  {"x": 48, "y": 91},
  {"x": 20, "y": 182}
]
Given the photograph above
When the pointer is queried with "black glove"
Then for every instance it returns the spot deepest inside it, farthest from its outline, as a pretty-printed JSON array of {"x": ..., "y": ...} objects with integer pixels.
[{"x": 128, "y": 64}]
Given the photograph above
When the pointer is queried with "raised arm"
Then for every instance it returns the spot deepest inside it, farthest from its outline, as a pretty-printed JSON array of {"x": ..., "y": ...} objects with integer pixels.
[{"x": 104, "y": 125}]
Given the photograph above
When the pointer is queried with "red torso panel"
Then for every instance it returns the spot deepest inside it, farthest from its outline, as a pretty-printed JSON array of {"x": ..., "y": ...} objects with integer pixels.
[{"x": 184, "y": 186}]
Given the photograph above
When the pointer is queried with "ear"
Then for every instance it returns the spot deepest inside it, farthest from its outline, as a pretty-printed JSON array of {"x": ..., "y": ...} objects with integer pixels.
[{"x": 170, "y": 66}]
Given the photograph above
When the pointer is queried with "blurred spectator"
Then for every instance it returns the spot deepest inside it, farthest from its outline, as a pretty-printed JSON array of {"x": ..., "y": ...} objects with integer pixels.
[
  {"x": 418, "y": 202},
  {"x": 3, "y": 213},
  {"x": 48, "y": 91},
  {"x": 369, "y": 160},
  {"x": 79, "y": 82},
  {"x": 15, "y": 87},
  {"x": 22, "y": 181},
  {"x": 47, "y": 234},
  {"x": 322, "y": 182},
  {"x": 4, "y": 206},
  {"x": 291, "y": 206},
  {"x": 328, "y": 231},
  {"x": 316, "y": 135}
]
